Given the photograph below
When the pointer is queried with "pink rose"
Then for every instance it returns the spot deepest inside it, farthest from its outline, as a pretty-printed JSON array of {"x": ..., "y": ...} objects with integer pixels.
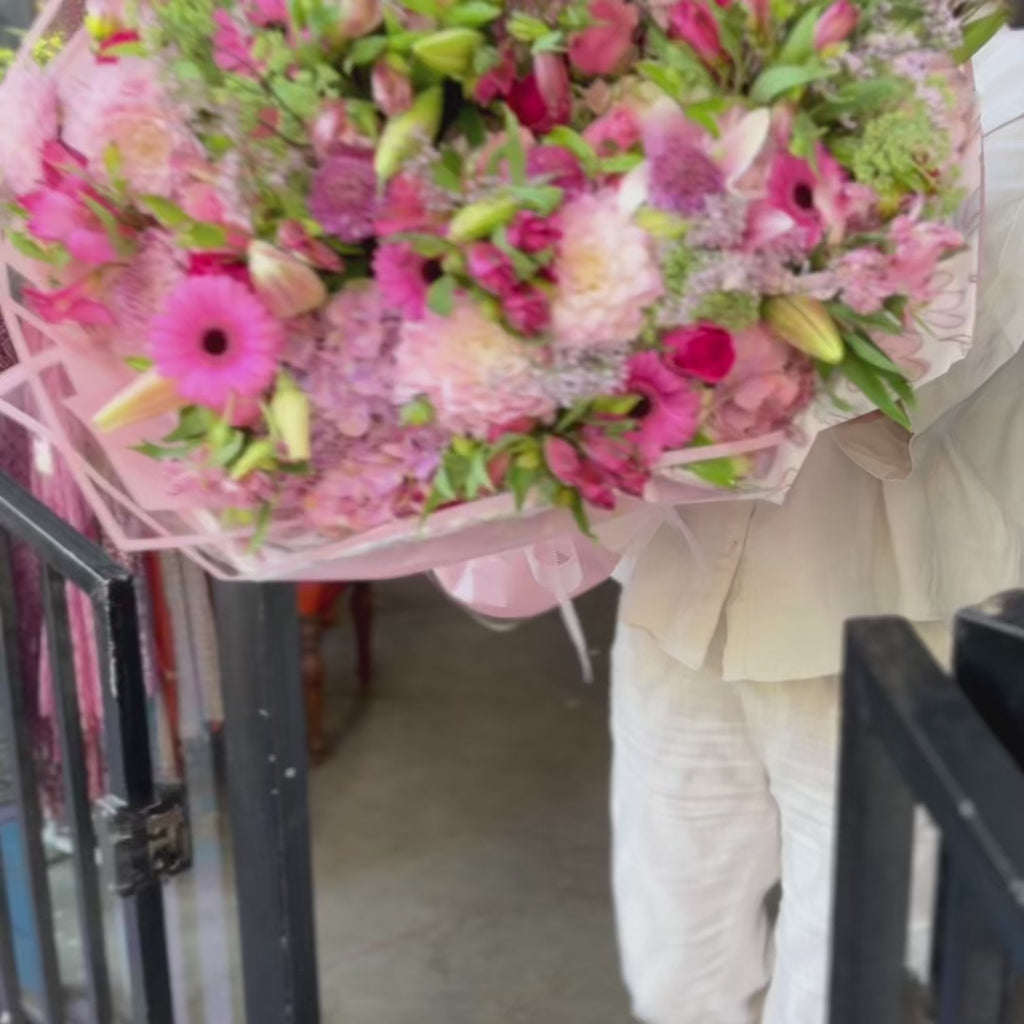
[
  {"x": 617, "y": 132},
  {"x": 528, "y": 310},
  {"x": 601, "y": 47},
  {"x": 491, "y": 269},
  {"x": 705, "y": 351},
  {"x": 544, "y": 97}
]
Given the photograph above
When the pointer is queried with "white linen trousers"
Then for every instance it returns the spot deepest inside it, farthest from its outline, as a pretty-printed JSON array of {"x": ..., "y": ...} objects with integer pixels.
[{"x": 725, "y": 692}]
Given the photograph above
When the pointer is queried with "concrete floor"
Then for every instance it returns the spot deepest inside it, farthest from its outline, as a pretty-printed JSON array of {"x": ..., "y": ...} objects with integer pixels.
[{"x": 460, "y": 824}]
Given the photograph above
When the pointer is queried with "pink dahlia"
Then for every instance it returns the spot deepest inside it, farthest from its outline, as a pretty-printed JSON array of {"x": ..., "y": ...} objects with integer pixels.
[
  {"x": 343, "y": 194},
  {"x": 606, "y": 275},
  {"x": 216, "y": 339},
  {"x": 474, "y": 372},
  {"x": 669, "y": 409}
]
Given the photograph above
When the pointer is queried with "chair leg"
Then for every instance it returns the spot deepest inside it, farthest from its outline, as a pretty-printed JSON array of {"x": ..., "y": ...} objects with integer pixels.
[
  {"x": 313, "y": 681},
  {"x": 362, "y": 617}
]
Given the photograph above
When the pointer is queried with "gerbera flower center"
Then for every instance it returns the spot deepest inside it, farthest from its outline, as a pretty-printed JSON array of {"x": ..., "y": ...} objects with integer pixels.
[
  {"x": 215, "y": 342},
  {"x": 642, "y": 408},
  {"x": 803, "y": 196}
]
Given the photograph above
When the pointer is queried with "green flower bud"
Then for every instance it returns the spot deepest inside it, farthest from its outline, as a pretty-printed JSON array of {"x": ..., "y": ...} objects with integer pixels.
[
  {"x": 478, "y": 220},
  {"x": 406, "y": 132},
  {"x": 259, "y": 455},
  {"x": 449, "y": 52},
  {"x": 805, "y": 324},
  {"x": 290, "y": 410}
]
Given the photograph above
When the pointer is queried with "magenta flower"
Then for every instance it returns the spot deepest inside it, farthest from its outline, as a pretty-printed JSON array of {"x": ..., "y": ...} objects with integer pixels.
[
  {"x": 565, "y": 463},
  {"x": 791, "y": 190},
  {"x": 531, "y": 232},
  {"x": 216, "y": 339},
  {"x": 616, "y": 457},
  {"x": 691, "y": 22},
  {"x": 702, "y": 350},
  {"x": 405, "y": 207},
  {"x": 267, "y": 12},
  {"x": 544, "y": 97},
  {"x": 491, "y": 269},
  {"x": 402, "y": 276},
  {"x": 232, "y": 47},
  {"x": 527, "y": 310},
  {"x": 496, "y": 83},
  {"x": 343, "y": 194},
  {"x": 559, "y": 166},
  {"x": 669, "y": 410},
  {"x": 601, "y": 47},
  {"x": 838, "y": 21}
]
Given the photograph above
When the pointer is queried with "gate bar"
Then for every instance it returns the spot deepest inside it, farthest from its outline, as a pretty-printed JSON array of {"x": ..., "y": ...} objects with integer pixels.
[
  {"x": 268, "y": 800},
  {"x": 26, "y": 788},
  {"x": 10, "y": 985},
  {"x": 76, "y": 786}
]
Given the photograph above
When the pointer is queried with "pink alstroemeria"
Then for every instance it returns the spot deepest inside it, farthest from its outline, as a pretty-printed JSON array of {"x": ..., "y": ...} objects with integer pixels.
[
  {"x": 531, "y": 232},
  {"x": 74, "y": 303},
  {"x": 565, "y": 463},
  {"x": 685, "y": 164},
  {"x": 544, "y": 97},
  {"x": 602, "y": 46},
  {"x": 692, "y": 23},
  {"x": 838, "y": 21},
  {"x": 495, "y": 83},
  {"x": 618, "y": 131}
]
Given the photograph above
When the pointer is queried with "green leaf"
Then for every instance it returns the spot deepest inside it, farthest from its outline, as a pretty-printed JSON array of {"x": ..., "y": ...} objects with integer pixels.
[
  {"x": 199, "y": 235},
  {"x": 140, "y": 364},
  {"x": 799, "y": 44},
  {"x": 169, "y": 214},
  {"x": 442, "y": 485},
  {"x": 473, "y": 14},
  {"x": 717, "y": 472},
  {"x": 429, "y": 246},
  {"x": 165, "y": 454},
  {"x": 127, "y": 49},
  {"x": 545, "y": 199},
  {"x": 417, "y": 413},
  {"x": 564, "y": 136},
  {"x": 867, "y": 380},
  {"x": 365, "y": 51},
  {"x": 515, "y": 154},
  {"x": 478, "y": 479},
  {"x": 553, "y": 42},
  {"x": 521, "y": 480},
  {"x": 621, "y": 163},
  {"x": 977, "y": 33},
  {"x": 441, "y": 296},
  {"x": 667, "y": 79},
  {"x": 230, "y": 450},
  {"x": 775, "y": 81},
  {"x": 854, "y": 97},
  {"x": 194, "y": 422},
  {"x": 445, "y": 178},
  {"x": 428, "y": 8},
  {"x": 707, "y": 113},
  {"x": 264, "y": 517},
  {"x": 54, "y": 254},
  {"x": 524, "y": 267},
  {"x": 122, "y": 245}
]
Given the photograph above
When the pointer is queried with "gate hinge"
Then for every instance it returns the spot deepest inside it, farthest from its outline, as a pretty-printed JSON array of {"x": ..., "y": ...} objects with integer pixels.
[{"x": 147, "y": 845}]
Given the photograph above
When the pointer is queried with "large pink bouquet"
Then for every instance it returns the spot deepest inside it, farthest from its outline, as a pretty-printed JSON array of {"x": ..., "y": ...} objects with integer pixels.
[{"x": 318, "y": 267}]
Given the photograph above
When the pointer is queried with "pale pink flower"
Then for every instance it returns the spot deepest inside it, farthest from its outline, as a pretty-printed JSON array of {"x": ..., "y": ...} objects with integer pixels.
[
  {"x": 28, "y": 99},
  {"x": 669, "y": 410},
  {"x": 75, "y": 303},
  {"x": 606, "y": 275},
  {"x": 473, "y": 371},
  {"x": 602, "y": 46},
  {"x": 919, "y": 247}
]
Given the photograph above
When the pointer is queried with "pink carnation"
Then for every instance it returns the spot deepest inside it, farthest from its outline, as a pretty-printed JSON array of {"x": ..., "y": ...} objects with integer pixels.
[
  {"x": 343, "y": 194},
  {"x": 471, "y": 369},
  {"x": 769, "y": 385},
  {"x": 606, "y": 275}
]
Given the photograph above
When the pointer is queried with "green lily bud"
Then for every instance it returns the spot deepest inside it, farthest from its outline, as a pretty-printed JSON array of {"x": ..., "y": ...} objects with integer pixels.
[
  {"x": 290, "y": 409},
  {"x": 478, "y": 220},
  {"x": 259, "y": 455},
  {"x": 806, "y": 325},
  {"x": 147, "y": 396},
  {"x": 449, "y": 52},
  {"x": 404, "y": 133}
]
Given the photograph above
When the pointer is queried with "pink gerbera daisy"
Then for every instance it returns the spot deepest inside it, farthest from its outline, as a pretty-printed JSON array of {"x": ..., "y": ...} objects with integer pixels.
[
  {"x": 216, "y": 339},
  {"x": 669, "y": 408}
]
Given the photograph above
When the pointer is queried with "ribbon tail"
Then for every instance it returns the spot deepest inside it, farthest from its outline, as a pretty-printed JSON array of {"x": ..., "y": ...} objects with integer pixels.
[{"x": 574, "y": 628}]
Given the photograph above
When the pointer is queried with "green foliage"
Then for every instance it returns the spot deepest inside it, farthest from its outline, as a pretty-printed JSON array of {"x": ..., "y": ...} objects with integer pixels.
[{"x": 735, "y": 311}]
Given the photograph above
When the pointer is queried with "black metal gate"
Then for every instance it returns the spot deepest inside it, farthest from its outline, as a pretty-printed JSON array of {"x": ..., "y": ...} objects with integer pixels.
[{"x": 138, "y": 833}]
